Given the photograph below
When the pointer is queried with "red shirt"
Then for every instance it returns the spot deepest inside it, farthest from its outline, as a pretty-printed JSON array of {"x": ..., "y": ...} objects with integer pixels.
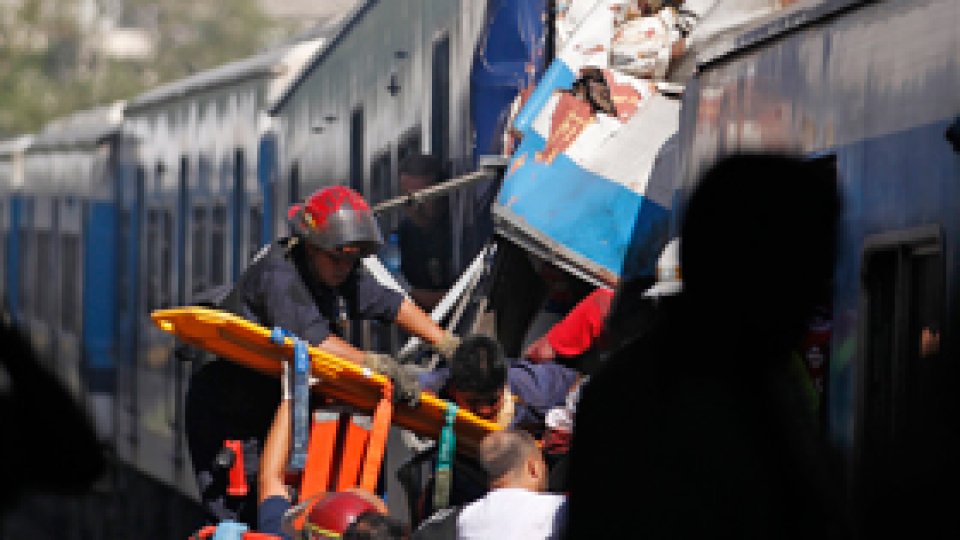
[{"x": 577, "y": 331}]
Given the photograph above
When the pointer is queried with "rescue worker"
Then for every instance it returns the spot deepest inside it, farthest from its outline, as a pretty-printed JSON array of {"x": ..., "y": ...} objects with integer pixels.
[
  {"x": 310, "y": 284},
  {"x": 348, "y": 514}
]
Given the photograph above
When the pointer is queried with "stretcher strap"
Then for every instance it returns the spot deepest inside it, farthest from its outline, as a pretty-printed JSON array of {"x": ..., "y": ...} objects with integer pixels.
[
  {"x": 300, "y": 399},
  {"x": 445, "y": 452}
]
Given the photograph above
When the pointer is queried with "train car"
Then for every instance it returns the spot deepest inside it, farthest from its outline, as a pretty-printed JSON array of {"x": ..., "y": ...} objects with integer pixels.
[
  {"x": 426, "y": 76},
  {"x": 872, "y": 87},
  {"x": 64, "y": 168},
  {"x": 195, "y": 202},
  {"x": 117, "y": 211}
]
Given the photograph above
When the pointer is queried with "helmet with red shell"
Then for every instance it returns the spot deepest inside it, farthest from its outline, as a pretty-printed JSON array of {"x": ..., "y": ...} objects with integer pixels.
[
  {"x": 330, "y": 516},
  {"x": 336, "y": 218}
]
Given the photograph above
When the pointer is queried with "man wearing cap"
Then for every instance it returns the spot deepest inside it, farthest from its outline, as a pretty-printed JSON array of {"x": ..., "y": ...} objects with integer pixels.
[{"x": 310, "y": 284}]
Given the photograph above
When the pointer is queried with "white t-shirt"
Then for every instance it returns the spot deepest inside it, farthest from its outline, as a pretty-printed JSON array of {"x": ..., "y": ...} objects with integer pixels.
[{"x": 513, "y": 513}]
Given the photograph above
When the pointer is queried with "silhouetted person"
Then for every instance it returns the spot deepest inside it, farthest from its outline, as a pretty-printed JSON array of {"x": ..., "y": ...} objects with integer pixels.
[
  {"x": 701, "y": 420},
  {"x": 425, "y": 241},
  {"x": 49, "y": 444}
]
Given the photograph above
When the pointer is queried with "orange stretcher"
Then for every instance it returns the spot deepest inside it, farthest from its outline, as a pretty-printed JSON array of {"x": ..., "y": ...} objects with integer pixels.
[{"x": 242, "y": 341}]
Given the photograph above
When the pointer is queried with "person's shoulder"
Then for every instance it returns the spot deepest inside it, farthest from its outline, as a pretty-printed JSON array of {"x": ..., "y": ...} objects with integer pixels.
[
  {"x": 280, "y": 256},
  {"x": 521, "y": 371}
]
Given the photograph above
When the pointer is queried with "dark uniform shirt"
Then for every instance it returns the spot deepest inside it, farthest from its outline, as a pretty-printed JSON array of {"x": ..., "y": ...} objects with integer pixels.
[{"x": 226, "y": 401}]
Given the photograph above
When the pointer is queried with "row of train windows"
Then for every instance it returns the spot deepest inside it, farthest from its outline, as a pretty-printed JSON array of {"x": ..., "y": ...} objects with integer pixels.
[
  {"x": 207, "y": 262},
  {"x": 50, "y": 277}
]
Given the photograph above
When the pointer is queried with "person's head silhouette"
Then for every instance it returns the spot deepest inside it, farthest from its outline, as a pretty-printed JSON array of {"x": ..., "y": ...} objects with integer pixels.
[{"x": 759, "y": 243}]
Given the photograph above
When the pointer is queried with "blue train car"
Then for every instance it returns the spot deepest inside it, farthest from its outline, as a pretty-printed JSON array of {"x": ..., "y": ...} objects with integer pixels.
[
  {"x": 873, "y": 87},
  {"x": 116, "y": 211},
  {"x": 195, "y": 199}
]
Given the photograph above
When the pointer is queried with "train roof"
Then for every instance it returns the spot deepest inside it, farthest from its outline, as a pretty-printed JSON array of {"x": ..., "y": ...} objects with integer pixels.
[
  {"x": 15, "y": 144},
  {"x": 335, "y": 35},
  {"x": 282, "y": 64},
  {"x": 751, "y": 32},
  {"x": 83, "y": 128}
]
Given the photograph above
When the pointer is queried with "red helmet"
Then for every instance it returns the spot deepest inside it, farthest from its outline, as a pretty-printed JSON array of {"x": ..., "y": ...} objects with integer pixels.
[
  {"x": 331, "y": 515},
  {"x": 335, "y": 217}
]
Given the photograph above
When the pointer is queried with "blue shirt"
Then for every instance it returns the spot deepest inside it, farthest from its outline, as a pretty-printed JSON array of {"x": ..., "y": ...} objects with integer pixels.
[
  {"x": 270, "y": 516},
  {"x": 538, "y": 387}
]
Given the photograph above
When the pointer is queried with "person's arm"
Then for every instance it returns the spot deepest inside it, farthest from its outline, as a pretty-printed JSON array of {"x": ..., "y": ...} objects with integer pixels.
[
  {"x": 415, "y": 321},
  {"x": 339, "y": 347},
  {"x": 274, "y": 459},
  {"x": 576, "y": 332}
]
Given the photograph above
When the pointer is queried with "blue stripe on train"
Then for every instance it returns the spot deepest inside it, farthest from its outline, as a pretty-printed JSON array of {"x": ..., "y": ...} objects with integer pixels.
[
  {"x": 593, "y": 216},
  {"x": 99, "y": 293}
]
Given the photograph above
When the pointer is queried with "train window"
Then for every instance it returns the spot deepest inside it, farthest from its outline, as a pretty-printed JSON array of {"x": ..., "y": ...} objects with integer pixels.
[
  {"x": 902, "y": 306},
  {"x": 45, "y": 293},
  {"x": 159, "y": 259},
  {"x": 256, "y": 231},
  {"x": 409, "y": 145},
  {"x": 183, "y": 209},
  {"x": 25, "y": 268},
  {"x": 4, "y": 231},
  {"x": 199, "y": 272},
  {"x": 166, "y": 259},
  {"x": 218, "y": 228},
  {"x": 204, "y": 174},
  {"x": 293, "y": 190},
  {"x": 440, "y": 99},
  {"x": 356, "y": 151},
  {"x": 239, "y": 202},
  {"x": 153, "y": 270},
  {"x": 70, "y": 284}
]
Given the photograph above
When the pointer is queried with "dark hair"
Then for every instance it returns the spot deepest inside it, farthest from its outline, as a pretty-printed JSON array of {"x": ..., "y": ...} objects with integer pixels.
[
  {"x": 372, "y": 525},
  {"x": 502, "y": 452},
  {"x": 422, "y": 165},
  {"x": 478, "y": 366}
]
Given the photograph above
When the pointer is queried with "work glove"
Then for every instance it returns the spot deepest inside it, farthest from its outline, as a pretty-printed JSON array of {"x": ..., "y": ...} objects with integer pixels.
[
  {"x": 406, "y": 386},
  {"x": 447, "y": 345}
]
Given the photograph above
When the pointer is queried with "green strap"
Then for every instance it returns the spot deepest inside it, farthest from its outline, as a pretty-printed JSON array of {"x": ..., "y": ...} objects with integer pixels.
[{"x": 445, "y": 452}]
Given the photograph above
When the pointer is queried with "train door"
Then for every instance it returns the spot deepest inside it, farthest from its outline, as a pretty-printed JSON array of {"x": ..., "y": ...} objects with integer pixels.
[
  {"x": 12, "y": 255},
  {"x": 904, "y": 415}
]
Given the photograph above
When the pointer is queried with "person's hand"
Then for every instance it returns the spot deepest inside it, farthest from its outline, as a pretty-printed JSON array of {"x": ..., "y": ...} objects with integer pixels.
[
  {"x": 406, "y": 386},
  {"x": 447, "y": 346},
  {"x": 540, "y": 351}
]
